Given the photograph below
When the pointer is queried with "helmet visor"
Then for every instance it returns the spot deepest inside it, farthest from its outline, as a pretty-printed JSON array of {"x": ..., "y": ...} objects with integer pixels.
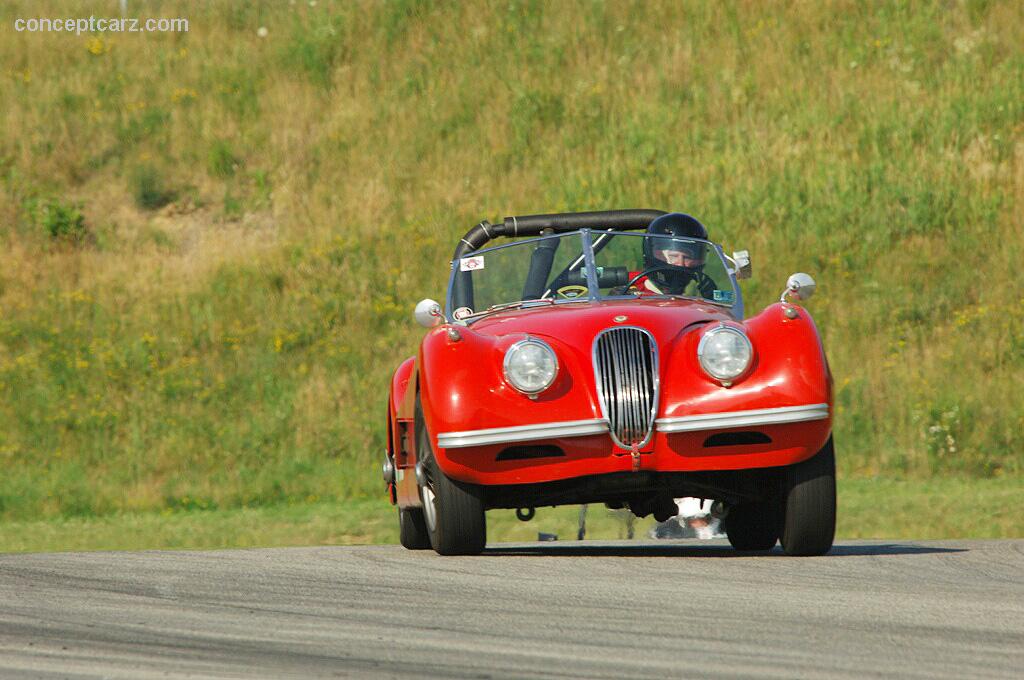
[{"x": 680, "y": 252}]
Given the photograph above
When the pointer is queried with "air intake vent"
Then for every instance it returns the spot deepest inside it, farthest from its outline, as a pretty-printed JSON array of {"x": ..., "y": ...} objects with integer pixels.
[
  {"x": 626, "y": 372},
  {"x": 737, "y": 439},
  {"x": 528, "y": 452}
]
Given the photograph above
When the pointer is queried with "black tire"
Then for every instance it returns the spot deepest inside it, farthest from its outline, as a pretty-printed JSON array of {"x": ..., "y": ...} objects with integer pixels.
[
  {"x": 753, "y": 526},
  {"x": 412, "y": 529},
  {"x": 809, "y": 515},
  {"x": 457, "y": 525}
]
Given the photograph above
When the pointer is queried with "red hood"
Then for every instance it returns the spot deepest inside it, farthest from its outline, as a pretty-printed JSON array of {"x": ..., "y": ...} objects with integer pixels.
[{"x": 582, "y": 321}]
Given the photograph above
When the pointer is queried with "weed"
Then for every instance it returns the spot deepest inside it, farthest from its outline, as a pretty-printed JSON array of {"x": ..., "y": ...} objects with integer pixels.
[
  {"x": 533, "y": 111},
  {"x": 150, "y": 189},
  {"x": 316, "y": 50},
  {"x": 236, "y": 87},
  {"x": 221, "y": 160},
  {"x": 232, "y": 205},
  {"x": 143, "y": 126},
  {"x": 940, "y": 433},
  {"x": 64, "y": 222},
  {"x": 263, "y": 188}
]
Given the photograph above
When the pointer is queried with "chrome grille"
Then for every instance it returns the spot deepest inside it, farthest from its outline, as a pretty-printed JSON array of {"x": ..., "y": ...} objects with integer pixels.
[{"x": 626, "y": 372}]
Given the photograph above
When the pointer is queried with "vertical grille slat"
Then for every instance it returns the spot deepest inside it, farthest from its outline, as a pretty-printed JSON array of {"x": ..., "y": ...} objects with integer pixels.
[
  {"x": 621, "y": 404},
  {"x": 641, "y": 366},
  {"x": 628, "y": 381},
  {"x": 626, "y": 377},
  {"x": 608, "y": 381},
  {"x": 640, "y": 431},
  {"x": 635, "y": 418},
  {"x": 648, "y": 374}
]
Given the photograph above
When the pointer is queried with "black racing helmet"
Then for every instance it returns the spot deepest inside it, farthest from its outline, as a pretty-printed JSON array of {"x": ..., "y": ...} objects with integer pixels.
[{"x": 667, "y": 228}]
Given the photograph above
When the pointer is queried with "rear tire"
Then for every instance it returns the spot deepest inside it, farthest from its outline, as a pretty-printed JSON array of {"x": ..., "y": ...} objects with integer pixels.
[
  {"x": 453, "y": 511},
  {"x": 412, "y": 529},
  {"x": 753, "y": 526},
  {"x": 809, "y": 515}
]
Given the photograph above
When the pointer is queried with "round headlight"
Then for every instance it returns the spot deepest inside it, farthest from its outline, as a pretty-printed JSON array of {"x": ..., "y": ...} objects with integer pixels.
[
  {"x": 530, "y": 366},
  {"x": 725, "y": 352}
]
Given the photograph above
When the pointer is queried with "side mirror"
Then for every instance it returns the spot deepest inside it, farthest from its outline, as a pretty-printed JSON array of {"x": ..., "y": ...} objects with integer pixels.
[
  {"x": 741, "y": 258},
  {"x": 799, "y": 286},
  {"x": 428, "y": 313}
]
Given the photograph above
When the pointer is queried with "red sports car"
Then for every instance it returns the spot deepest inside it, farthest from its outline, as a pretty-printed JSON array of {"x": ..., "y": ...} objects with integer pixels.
[{"x": 605, "y": 357}]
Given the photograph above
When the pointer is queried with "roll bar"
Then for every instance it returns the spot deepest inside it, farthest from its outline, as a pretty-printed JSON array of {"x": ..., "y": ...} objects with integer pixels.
[{"x": 533, "y": 225}]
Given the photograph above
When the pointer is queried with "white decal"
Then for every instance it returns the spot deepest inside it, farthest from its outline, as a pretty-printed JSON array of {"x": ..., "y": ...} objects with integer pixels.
[{"x": 468, "y": 264}]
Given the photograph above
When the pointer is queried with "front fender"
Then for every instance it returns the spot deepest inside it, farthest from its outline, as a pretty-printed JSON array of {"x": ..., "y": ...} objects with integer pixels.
[
  {"x": 789, "y": 368},
  {"x": 462, "y": 387},
  {"x": 399, "y": 388}
]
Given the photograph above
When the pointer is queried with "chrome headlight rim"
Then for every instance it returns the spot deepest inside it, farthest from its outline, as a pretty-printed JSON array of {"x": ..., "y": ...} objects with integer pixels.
[
  {"x": 511, "y": 352},
  {"x": 702, "y": 348}
]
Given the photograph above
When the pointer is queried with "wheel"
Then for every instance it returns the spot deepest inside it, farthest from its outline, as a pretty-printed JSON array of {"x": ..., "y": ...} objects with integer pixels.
[
  {"x": 453, "y": 511},
  {"x": 412, "y": 529},
  {"x": 809, "y": 515},
  {"x": 753, "y": 526}
]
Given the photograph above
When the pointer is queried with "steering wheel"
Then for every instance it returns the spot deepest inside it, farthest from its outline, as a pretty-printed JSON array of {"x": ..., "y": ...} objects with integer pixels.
[{"x": 649, "y": 270}]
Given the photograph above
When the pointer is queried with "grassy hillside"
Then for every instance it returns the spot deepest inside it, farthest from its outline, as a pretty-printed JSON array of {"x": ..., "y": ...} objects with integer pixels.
[{"x": 214, "y": 240}]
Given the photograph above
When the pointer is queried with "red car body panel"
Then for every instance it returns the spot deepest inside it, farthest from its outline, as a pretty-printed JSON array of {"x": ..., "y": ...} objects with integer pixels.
[
  {"x": 401, "y": 435},
  {"x": 461, "y": 388}
]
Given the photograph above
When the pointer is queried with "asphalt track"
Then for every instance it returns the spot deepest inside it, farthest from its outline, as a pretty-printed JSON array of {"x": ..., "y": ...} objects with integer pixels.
[{"x": 580, "y": 610}]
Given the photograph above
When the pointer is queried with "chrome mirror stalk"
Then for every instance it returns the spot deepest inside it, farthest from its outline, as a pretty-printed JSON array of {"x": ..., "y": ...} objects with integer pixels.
[
  {"x": 428, "y": 313},
  {"x": 799, "y": 287}
]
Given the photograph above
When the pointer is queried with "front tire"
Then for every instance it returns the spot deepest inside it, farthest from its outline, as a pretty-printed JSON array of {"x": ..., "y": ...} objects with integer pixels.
[
  {"x": 453, "y": 511},
  {"x": 753, "y": 526},
  {"x": 412, "y": 529},
  {"x": 809, "y": 514}
]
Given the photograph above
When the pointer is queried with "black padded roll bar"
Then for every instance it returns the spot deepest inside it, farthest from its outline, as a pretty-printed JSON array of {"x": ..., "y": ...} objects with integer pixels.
[{"x": 532, "y": 225}]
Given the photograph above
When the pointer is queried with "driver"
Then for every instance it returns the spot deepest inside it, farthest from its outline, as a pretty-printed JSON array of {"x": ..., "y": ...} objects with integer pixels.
[{"x": 676, "y": 266}]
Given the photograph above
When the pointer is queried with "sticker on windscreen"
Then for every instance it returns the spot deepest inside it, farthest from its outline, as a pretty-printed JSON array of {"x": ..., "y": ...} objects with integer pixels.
[
  {"x": 469, "y": 264},
  {"x": 461, "y": 313},
  {"x": 723, "y": 296}
]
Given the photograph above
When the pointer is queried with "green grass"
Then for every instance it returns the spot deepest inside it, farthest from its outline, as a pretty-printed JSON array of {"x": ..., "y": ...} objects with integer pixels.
[
  {"x": 930, "y": 509},
  {"x": 210, "y": 322},
  {"x": 879, "y": 508}
]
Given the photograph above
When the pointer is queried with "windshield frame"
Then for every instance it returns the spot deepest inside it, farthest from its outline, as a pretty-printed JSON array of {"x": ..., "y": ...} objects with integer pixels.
[{"x": 590, "y": 269}]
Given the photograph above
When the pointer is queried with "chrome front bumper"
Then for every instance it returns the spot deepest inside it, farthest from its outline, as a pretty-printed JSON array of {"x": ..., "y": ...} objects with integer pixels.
[
  {"x": 754, "y": 418},
  {"x": 522, "y": 433},
  {"x": 580, "y": 428}
]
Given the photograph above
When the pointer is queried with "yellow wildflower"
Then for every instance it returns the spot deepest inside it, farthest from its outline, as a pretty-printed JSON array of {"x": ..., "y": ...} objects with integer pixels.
[
  {"x": 185, "y": 94},
  {"x": 97, "y": 46}
]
